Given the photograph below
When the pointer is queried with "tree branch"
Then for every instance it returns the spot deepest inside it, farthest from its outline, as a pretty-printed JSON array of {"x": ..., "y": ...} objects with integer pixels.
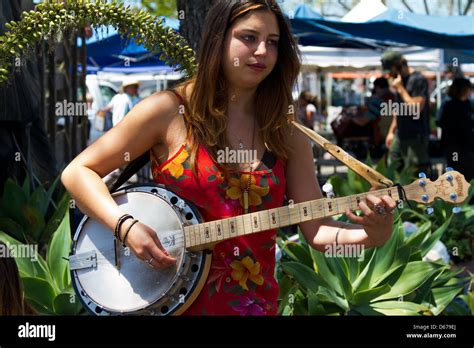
[
  {"x": 426, "y": 7},
  {"x": 340, "y": 2},
  {"x": 450, "y": 7},
  {"x": 407, "y": 6},
  {"x": 466, "y": 9},
  {"x": 49, "y": 19}
]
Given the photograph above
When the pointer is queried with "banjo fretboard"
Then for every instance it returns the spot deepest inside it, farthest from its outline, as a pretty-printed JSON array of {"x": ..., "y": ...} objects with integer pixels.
[{"x": 219, "y": 230}]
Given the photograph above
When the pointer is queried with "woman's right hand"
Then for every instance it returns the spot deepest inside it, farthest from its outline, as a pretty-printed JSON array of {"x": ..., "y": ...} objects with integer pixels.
[{"x": 146, "y": 245}]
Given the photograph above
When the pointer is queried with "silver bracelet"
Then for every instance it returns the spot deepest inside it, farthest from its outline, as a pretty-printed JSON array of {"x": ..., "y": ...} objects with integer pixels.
[{"x": 339, "y": 230}]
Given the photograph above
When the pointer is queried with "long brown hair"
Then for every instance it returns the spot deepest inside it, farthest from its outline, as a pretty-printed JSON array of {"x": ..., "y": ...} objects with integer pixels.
[
  {"x": 11, "y": 295},
  {"x": 207, "y": 104}
]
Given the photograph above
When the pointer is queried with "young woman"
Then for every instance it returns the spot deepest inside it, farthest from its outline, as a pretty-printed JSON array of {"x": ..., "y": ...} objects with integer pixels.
[
  {"x": 307, "y": 109},
  {"x": 239, "y": 99}
]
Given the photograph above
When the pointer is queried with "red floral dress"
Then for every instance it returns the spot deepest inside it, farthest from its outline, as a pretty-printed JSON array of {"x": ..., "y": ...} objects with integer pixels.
[{"x": 241, "y": 279}]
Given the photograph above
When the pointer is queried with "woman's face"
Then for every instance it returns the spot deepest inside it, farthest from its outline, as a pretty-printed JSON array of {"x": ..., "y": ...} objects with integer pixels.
[{"x": 251, "y": 49}]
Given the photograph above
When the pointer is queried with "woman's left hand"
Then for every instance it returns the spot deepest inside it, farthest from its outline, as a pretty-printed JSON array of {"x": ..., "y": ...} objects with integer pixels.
[{"x": 377, "y": 219}]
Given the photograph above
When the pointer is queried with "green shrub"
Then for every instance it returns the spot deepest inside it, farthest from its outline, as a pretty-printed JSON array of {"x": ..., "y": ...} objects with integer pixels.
[
  {"x": 31, "y": 217},
  {"x": 389, "y": 280},
  {"x": 47, "y": 281}
]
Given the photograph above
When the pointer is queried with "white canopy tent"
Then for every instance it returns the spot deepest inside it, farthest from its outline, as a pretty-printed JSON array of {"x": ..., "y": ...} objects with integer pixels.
[
  {"x": 364, "y": 10},
  {"x": 335, "y": 59}
]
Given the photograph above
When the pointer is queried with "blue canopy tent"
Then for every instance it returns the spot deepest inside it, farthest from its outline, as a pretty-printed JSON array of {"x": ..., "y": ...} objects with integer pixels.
[
  {"x": 459, "y": 56},
  {"x": 304, "y": 11},
  {"x": 306, "y": 27},
  {"x": 397, "y": 27},
  {"x": 108, "y": 52}
]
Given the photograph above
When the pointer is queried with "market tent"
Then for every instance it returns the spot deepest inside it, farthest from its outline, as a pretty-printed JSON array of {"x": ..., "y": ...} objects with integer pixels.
[
  {"x": 107, "y": 51},
  {"x": 397, "y": 27},
  {"x": 304, "y": 11},
  {"x": 364, "y": 10},
  {"x": 351, "y": 59},
  {"x": 305, "y": 27},
  {"x": 458, "y": 57}
]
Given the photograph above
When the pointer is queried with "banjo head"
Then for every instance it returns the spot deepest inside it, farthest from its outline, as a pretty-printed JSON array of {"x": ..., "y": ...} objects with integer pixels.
[{"x": 136, "y": 288}]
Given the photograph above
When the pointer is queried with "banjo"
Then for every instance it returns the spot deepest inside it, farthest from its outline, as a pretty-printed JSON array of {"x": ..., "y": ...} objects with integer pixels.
[{"x": 136, "y": 289}]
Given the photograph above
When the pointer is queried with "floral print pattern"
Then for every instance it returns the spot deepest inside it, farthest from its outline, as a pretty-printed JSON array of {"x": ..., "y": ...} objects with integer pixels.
[
  {"x": 175, "y": 167},
  {"x": 240, "y": 281},
  {"x": 250, "y": 305},
  {"x": 238, "y": 185},
  {"x": 245, "y": 270}
]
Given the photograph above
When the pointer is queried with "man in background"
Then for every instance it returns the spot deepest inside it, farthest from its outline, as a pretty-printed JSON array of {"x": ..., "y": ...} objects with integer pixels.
[
  {"x": 408, "y": 136},
  {"x": 122, "y": 103}
]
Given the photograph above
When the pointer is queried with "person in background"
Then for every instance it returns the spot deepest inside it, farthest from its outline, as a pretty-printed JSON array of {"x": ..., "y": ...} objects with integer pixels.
[
  {"x": 307, "y": 109},
  {"x": 90, "y": 114},
  {"x": 408, "y": 136},
  {"x": 380, "y": 94},
  {"x": 457, "y": 124},
  {"x": 11, "y": 294},
  {"x": 122, "y": 103},
  {"x": 381, "y": 123}
]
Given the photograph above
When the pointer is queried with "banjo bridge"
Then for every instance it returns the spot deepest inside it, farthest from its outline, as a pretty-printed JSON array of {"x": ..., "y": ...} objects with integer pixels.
[{"x": 84, "y": 260}]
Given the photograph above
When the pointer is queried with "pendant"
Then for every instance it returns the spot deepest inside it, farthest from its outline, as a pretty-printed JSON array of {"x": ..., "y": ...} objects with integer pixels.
[{"x": 246, "y": 201}]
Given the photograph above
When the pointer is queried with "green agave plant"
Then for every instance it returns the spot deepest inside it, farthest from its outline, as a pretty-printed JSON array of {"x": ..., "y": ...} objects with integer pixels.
[
  {"x": 465, "y": 303},
  {"x": 457, "y": 238},
  {"x": 389, "y": 280},
  {"x": 47, "y": 282},
  {"x": 29, "y": 217}
]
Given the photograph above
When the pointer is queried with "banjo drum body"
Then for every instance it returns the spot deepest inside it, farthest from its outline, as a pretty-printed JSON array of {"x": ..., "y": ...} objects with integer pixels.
[{"x": 135, "y": 288}]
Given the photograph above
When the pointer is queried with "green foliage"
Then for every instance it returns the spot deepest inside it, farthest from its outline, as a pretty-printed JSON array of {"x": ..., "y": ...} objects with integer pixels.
[
  {"x": 350, "y": 184},
  {"x": 29, "y": 217},
  {"x": 464, "y": 304},
  {"x": 459, "y": 233},
  {"x": 166, "y": 8},
  {"x": 49, "y": 20},
  {"x": 389, "y": 280},
  {"x": 47, "y": 282}
]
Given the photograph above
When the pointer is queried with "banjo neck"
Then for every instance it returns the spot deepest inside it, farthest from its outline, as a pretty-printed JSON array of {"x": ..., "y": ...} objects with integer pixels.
[
  {"x": 450, "y": 187},
  {"x": 202, "y": 235}
]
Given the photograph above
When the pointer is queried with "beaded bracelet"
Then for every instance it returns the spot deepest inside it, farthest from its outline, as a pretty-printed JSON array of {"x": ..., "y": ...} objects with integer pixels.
[
  {"x": 120, "y": 221},
  {"x": 126, "y": 233}
]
